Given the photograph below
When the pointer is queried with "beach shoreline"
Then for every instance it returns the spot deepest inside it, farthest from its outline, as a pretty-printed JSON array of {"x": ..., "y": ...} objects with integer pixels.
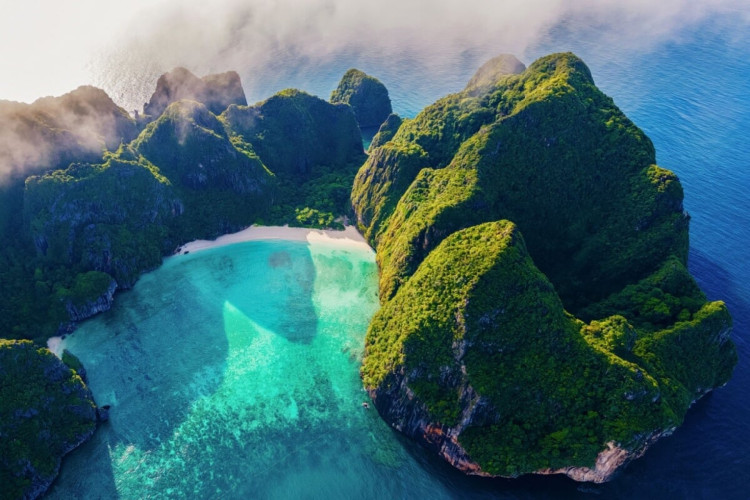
[{"x": 349, "y": 237}]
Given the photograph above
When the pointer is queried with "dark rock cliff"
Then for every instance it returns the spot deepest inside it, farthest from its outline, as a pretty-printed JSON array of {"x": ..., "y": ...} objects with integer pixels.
[
  {"x": 366, "y": 95},
  {"x": 45, "y": 412}
]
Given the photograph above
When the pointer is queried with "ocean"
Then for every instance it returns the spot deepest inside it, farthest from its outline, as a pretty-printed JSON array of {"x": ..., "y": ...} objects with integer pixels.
[{"x": 218, "y": 393}]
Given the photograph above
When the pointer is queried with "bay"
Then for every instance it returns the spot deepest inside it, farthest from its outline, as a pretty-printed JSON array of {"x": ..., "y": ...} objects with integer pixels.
[{"x": 689, "y": 94}]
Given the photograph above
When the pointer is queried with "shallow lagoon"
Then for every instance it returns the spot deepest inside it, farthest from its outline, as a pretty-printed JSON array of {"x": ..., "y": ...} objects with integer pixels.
[{"x": 234, "y": 372}]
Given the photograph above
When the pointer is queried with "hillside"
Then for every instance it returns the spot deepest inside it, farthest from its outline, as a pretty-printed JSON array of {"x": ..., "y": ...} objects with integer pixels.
[{"x": 476, "y": 353}]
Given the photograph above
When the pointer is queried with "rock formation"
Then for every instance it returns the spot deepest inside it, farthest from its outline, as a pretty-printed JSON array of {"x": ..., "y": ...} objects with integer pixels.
[
  {"x": 53, "y": 131},
  {"x": 386, "y": 131},
  {"x": 475, "y": 352},
  {"x": 216, "y": 92},
  {"x": 45, "y": 412},
  {"x": 488, "y": 75},
  {"x": 366, "y": 95}
]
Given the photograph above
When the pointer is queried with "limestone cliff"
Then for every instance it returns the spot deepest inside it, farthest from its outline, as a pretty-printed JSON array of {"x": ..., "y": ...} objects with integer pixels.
[
  {"x": 45, "y": 412},
  {"x": 216, "y": 92},
  {"x": 475, "y": 352},
  {"x": 366, "y": 95}
]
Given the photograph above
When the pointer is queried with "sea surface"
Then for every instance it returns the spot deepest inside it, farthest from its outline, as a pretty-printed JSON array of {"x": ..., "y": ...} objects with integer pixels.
[{"x": 233, "y": 372}]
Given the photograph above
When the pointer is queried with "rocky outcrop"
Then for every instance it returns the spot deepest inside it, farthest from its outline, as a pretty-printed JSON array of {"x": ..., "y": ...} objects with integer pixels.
[
  {"x": 366, "y": 95},
  {"x": 54, "y": 131},
  {"x": 609, "y": 462},
  {"x": 217, "y": 92},
  {"x": 191, "y": 147},
  {"x": 386, "y": 131},
  {"x": 108, "y": 217},
  {"x": 568, "y": 350},
  {"x": 322, "y": 134},
  {"x": 487, "y": 76},
  {"x": 46, "y": 411},
  {"x": 89, "y": 307}
]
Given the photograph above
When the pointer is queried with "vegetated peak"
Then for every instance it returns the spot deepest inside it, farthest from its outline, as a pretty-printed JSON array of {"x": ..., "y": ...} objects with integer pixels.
[
  {"x": 565, "y": 62},
  {"x": 216, "y": 91},
  {"x": 501, "y": 378},
  {"x": 366, "y": 95},
  {"x": 494, "y": 69}
]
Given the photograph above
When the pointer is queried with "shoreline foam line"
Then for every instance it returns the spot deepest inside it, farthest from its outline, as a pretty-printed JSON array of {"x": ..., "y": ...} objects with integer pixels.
[{"x": 348, "y": 237}]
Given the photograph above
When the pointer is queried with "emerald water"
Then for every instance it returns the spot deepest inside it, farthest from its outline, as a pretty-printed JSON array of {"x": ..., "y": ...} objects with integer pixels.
[{"x": 233, "y": 372}]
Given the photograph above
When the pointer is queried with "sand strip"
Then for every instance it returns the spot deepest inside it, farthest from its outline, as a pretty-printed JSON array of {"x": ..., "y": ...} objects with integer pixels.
[{"x": 348, "y": 237}]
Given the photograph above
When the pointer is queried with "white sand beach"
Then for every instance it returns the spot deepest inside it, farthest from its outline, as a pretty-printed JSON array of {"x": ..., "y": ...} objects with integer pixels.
[{"x": 348, "y": 237}]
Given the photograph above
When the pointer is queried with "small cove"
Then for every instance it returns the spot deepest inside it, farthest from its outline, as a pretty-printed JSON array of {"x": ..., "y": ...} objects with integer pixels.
[{"x": 234, "y": 372}]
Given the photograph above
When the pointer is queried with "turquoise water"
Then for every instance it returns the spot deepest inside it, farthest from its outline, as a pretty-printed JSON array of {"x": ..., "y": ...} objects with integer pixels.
[
  {"x": 689, "y": 94},
  {"x": 233, "y": 372}
]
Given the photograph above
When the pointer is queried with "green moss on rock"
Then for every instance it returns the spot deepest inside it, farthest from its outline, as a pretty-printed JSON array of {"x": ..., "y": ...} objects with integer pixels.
[
  {"x": 366, "y": 95},
  {"x": 473, "y": 352},
  {"x": 45, "y": 411}
]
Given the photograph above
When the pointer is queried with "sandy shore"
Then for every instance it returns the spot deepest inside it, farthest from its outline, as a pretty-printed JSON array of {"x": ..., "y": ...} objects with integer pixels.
[{"x": 348, "y": 237}]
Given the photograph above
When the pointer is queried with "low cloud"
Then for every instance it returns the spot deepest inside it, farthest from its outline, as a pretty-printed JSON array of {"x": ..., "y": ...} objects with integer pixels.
[
  {"x": 56, "y": 130},
  {"x": 274, "y": 44}
]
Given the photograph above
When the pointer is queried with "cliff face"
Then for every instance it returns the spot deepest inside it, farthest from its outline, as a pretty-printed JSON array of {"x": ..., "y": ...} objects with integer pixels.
[
  {"x": 295, "y": 134},
  {"x": 53, "y": 131},
  {"x": 216, "y": 92},
  {"x": 189, "y": 174},
  {"x": 473, "y": 352},
  {"x": 45, "y": 412},
  {"x": 108, "y": 217},
  {"x": 92, "y": 293},
  {"x": 386, "y": 131},
  {"x": 492, "y": 71},
  {"x": 366, "y": 95},
  {"x": 191, "y": 148}
]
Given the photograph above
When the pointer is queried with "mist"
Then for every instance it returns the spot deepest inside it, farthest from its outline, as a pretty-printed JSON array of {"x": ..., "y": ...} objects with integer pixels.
[
  {"x": 432, "y": 46},
  {"x": 420, "y": 49}
]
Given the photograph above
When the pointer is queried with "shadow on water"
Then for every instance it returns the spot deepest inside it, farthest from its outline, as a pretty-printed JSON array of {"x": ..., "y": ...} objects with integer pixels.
[{"x": 163, "y": 347}]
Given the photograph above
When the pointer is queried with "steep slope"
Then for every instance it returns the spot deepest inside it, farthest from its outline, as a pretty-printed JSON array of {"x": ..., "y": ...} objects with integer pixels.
[
  {"x": 313, "y": 147},
  {"x": 216, "y": 92},
  {"x": 107, "y": 217},
  {"x": 366, "y": 95},
  {"x": 475, "y": 356},
  {"x": 295, "y": 133},
  {"x": 545, "y": 149},
  {"x": 386, "y": 131},
  {"x": 45, "y": 412},
  {"x": 53, "y": 131}
]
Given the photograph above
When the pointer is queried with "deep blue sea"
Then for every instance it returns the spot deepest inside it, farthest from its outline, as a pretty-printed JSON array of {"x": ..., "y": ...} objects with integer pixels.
[{"x": 690, "y": 94}]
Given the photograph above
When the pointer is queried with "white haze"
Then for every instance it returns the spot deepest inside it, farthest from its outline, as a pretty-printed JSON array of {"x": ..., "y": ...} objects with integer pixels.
[
  {"x": 420, "y": 49},
  {"x": 283, "y": 43},
  {"x": 50, "y": 47}
]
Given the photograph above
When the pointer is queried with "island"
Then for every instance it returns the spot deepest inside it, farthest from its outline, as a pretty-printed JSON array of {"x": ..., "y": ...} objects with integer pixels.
[{"x": 537, "y": 314}]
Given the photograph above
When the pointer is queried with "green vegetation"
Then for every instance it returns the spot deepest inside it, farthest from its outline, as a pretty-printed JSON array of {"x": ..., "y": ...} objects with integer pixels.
[
  {"x": 487, "y": 76},
  {"x": 314, "y": 175},
  {"x": 45, "y": 411},
  {"x": 386, "y": 131},
  {"x": 476, "y": 328},
  {"x": 70, "y": 237},
  {"x": 366, "y": 95},
  {"x": 216, "y": 92},
  {"x": 69, "y": 234}
]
